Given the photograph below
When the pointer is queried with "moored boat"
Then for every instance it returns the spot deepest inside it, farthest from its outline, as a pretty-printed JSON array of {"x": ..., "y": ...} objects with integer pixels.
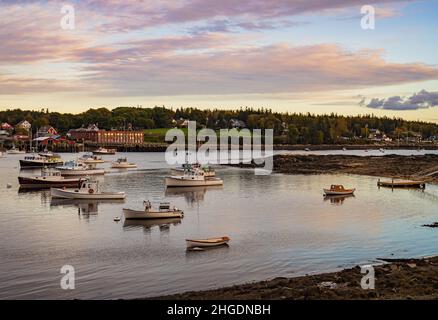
[
  {"x": 89, "y": 189},
  {"x": 37, "y": 161},
  {"x": 210, "y": 242},
  {"x": 103, "y": 150},
  {"x": 76, "y": 168},
  {"x": 162, "y": 212},
  {"x": 402, "y": 184},
  {"x": 194, "y": 178},
  {"x": 14, "y": 150},
  {"x": 47, "y": 179},
  {"x": 208, "y": 171},
  {"x": 48, "y": 154},
  {"x": 122, "y": 163},
  {"x": 89, "y": 158},
  {"x": 338, "y": 190}
]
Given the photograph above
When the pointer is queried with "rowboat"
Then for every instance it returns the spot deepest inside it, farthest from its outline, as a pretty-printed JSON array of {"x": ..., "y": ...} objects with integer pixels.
[
  {"x": 194, "y": 178},
  {"x": 102, "y": 150},
  {"x": 89, "y": 189},
  {"x": 211, "y": 242},
  {"x": 338, "y": 190},
  {"x": 163, "y": 212},
  {"x": 402, "y": 184},
  {"x": 47, "y": 179},
  {"x": 76, "y": 168},
  {"x": 122, "y": 163}
]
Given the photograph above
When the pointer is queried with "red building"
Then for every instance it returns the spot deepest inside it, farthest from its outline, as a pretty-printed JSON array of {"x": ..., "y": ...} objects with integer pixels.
[{"x": 94, "y": 134}]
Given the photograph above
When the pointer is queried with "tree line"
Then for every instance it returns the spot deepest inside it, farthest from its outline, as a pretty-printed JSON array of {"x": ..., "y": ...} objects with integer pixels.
[{"x": 288, "y": 127}]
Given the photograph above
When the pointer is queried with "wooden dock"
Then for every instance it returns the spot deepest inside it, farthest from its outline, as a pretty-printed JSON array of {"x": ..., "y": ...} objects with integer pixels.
[{"x": 402, "y": 184}]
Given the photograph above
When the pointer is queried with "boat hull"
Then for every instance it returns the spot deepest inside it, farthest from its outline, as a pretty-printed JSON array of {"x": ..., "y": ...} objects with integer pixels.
[
  {"x": 402, "y": 184},
  {"x": 74, "y": 194},
  {"x": 329, "y": 192},
  {"x": 92, "y": 161},
  {"x": 214, "y": 242},
  {"x": 181, "y": 182},
  {"x": 39, "y": 164},
  {"x": 46, "y": 183},
  {"x": 142, "y": 214},
  {"x": 75, "y": 173},
  {"x": 123, "y": 166}
]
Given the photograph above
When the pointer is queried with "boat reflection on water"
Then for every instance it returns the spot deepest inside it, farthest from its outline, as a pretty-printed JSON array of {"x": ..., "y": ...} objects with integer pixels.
[
  {"x": 147, "y": 224},
  {"x": 191, "y": 194},
  {"x": 43, "y": 194},
  {"x": 338, "y": 199},
  {"x": 85, "y": 207}
]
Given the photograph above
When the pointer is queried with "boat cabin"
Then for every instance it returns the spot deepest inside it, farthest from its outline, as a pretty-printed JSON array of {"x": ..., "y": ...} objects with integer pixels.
[
  {"x": 335, "y": 187},
  {"x": 46, "y": 172},
  {"x": 91, "y": 185},
  {"x": 164, "y": 206}
]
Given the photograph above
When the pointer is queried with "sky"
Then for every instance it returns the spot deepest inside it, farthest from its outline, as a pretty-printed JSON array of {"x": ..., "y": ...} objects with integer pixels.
[{"x": 287, "y": 55}]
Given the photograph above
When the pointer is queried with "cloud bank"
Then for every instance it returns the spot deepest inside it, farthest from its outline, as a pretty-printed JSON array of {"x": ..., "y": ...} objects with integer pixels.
[{"x": 421, "y": 100}]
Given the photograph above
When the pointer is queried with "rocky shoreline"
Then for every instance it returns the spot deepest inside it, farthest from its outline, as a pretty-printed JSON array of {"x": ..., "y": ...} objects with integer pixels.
[
  {"x": 423, "y": 167},
  {"x": 398, "y": 279}
]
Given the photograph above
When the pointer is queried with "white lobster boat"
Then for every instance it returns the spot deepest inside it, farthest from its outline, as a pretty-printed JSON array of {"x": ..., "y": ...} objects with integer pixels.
[
  {"x": 76, "y": 168},
  {"x": 122, "y": 163},
  {"x": 208, "y": 171},
  {"x": 163, "y": 212},
  {"x": 89, "y": 189},
  {"x": 210, "y": 242},
  {"x": 194, "y": 178},
  {"x": 89, "y": 158},
  {"x": 103, "y": 150}
]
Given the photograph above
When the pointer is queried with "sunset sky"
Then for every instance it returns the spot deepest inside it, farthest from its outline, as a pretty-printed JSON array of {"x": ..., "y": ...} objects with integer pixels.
[{"x": 295, "y": 56}]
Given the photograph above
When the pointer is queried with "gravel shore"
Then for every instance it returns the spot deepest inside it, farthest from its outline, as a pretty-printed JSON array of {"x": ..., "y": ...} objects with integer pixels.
[{"x": 398, "y": 279}]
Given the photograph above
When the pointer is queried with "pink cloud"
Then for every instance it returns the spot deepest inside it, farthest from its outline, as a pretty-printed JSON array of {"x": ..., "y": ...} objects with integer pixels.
[{"x": 271, "y": 69}]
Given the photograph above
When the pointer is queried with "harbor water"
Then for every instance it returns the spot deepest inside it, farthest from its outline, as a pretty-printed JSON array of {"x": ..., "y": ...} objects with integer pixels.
[{"x": 279, "y": 225}]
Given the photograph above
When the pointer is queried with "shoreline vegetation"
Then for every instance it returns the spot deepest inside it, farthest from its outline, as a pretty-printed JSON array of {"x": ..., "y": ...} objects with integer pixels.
[
  {"x": 288, "y": 128},
  {"x": 396, "y": 279}
]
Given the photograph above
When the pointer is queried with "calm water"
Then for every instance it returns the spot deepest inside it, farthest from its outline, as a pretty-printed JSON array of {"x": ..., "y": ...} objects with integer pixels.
[{"x": 280, "y": 225}]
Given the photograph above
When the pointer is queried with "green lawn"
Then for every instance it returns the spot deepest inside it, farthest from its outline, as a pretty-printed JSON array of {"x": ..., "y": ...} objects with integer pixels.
[{"x": 159, "y": 134}]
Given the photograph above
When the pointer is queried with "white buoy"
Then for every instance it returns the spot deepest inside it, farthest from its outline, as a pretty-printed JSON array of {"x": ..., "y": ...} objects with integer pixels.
[{"x": 117, "y": 219}]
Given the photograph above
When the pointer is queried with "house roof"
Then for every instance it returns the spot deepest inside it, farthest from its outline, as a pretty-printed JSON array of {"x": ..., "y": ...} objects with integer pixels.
[{"x": 6, "y": 126}]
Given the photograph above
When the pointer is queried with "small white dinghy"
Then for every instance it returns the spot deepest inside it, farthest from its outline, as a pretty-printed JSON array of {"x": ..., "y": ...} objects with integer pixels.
[
  {"x": 89, "y": 189},
  {"x": 337, "y": 190},
  {"x": 210, "y": 242},
  {"x": 163, "y": 212}
]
